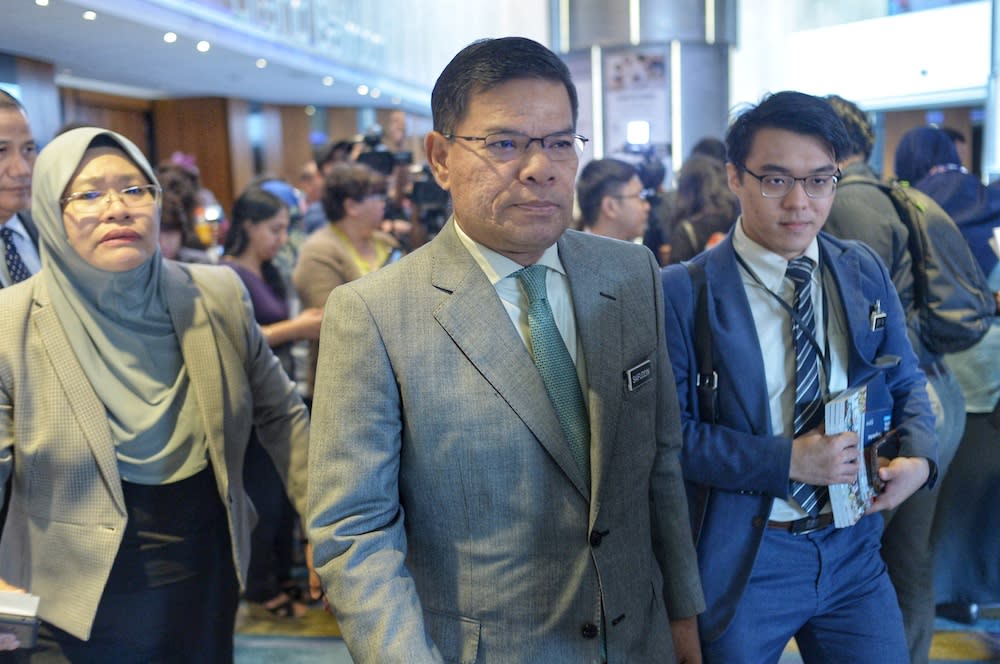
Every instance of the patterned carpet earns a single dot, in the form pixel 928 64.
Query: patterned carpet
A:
pixel 312 639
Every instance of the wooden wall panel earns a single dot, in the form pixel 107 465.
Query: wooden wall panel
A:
pixel 341 123
pixel 241 157
pixel 124 115
pixel 199 127
pixel 296 148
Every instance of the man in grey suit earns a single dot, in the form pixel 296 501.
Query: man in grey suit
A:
pixel 456 511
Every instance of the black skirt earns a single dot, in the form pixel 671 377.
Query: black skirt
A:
pixel 172 594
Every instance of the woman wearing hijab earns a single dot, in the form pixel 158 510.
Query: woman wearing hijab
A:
pixel 128 387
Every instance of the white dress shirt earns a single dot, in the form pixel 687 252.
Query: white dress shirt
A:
pixel 774 332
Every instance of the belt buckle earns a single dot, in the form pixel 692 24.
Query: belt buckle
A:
pixel 809 524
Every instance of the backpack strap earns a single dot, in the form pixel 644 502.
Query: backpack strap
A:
pixel 707 380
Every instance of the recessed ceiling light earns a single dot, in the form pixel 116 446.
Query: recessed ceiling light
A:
pixel 261 63
pixel 328 81
pixel 203 46
pixel 362 89
pixel 42 3
pixel 310 110
pixel 170 37
pixel 89 15
pixel 397 100
pixel 376 93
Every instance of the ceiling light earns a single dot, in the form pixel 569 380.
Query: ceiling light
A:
pixel 397 100
pixel 203 46
pixel 310 110
pixel 42 3
pixel 261 63
pixel 170 37
pixel 376 93
pixel 89 15
pixel 362 89
pixel 328 81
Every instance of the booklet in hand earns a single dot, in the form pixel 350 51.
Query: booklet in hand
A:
pixel 19 616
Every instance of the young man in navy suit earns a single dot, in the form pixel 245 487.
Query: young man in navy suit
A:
pixel 773 565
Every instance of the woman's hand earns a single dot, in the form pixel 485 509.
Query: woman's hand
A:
pixel 7 640
pixel 310 321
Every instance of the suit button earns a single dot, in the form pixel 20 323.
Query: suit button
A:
pixel 589 631
pixel 758 522
pixel 596 536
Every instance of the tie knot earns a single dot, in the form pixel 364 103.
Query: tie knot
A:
pixel 6 233
pixel 532 278
pixel 799 270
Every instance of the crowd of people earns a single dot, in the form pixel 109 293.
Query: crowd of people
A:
pixel 507 442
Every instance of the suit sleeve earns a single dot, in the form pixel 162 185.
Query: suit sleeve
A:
pixel 355 519
pixel 718 455
pixel 672 541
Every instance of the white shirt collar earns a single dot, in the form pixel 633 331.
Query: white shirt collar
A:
pixel 768 266
pixel 496 266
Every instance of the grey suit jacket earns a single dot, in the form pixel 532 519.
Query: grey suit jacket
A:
pixel 448 518
pixel 67 512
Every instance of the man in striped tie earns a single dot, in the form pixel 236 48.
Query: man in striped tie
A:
pixel 794 317
pixel 18 237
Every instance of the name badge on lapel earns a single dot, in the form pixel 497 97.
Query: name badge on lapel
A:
pixel 638 375
pixel 876 317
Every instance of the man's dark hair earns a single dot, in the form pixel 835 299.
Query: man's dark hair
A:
pixel 954 134
pixel 600 178
pixel 859 129
pixel 792 111
pixel 709 146
pixel 9 101
pixel 487 64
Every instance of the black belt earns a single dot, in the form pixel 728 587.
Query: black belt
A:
pixel 804 525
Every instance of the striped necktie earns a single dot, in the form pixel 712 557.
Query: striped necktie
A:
pixel 808 400
pixel 556 367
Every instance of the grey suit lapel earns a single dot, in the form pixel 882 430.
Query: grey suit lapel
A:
pixel 599 325
pixel 87 408
pixel 477 322
pixel 198 347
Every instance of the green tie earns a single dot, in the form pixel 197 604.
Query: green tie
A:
pixel 556 367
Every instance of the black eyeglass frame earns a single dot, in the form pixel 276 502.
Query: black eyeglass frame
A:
pixel 835 177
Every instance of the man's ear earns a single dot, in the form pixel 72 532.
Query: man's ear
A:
pixel 735 177
pixel 609 207
pixel 437 148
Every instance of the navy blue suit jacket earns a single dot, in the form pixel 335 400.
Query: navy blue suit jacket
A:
pixel 736 467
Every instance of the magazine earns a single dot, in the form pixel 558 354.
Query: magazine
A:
pixel 854 410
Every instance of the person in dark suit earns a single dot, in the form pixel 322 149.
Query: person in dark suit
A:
pixel 773 565
pixel 459 508
pixel 128 388
pixel 18 235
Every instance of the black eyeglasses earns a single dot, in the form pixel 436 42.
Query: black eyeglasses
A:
pixel 775 185
pixel 642 195
pixel 507 146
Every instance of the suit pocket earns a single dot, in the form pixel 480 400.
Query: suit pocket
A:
pixel 457 638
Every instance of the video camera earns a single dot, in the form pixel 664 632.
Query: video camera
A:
pixel 433 204
pixel 377 156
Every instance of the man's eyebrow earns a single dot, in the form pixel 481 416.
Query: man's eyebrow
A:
pixel 776 168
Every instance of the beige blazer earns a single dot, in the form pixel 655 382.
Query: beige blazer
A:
pixel 67 512
pixel 448 518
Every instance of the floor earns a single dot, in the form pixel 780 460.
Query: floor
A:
pixel 312 640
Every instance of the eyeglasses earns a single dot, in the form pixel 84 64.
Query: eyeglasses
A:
pixel 93 201
pixel 779 186
pixel 642 195
pixel 507 146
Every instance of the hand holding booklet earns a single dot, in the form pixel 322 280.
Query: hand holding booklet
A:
pixel 19 616
pixel 865 409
